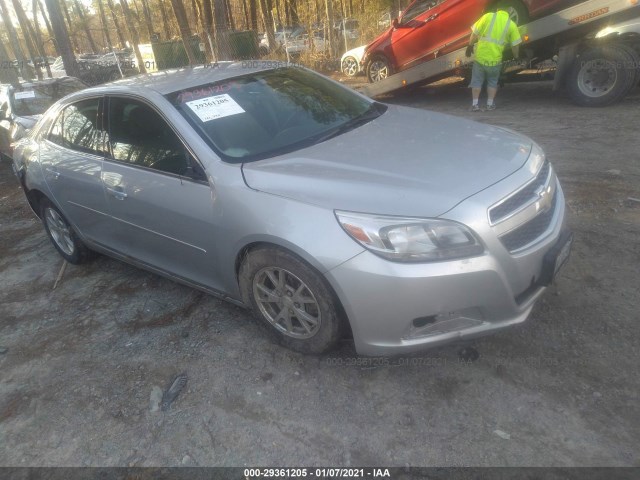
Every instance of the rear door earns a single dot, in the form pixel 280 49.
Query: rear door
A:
pixel 159 200
pixel 71 155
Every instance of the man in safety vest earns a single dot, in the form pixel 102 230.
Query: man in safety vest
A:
pixel 492 33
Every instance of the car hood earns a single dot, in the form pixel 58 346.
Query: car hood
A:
pixel 28 121
pixel 406 162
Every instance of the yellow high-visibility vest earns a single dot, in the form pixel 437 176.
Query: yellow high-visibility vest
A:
pixel 494 32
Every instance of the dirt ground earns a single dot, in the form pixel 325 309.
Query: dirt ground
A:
pixel 82 364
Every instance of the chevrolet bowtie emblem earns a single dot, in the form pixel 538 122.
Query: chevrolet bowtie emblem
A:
pixel 545 198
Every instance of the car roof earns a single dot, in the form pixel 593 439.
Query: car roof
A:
pixel 168 81
pixel 44 81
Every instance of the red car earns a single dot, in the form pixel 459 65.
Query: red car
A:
pixel 430 28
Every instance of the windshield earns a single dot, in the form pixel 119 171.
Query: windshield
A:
pixel 272 112
pixel 35 99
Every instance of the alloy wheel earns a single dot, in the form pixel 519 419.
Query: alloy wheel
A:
pixel 287 302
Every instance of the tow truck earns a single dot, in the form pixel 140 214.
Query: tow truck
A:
pixel 595 69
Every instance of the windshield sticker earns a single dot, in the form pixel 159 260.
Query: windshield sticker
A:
pixel 25 94
pixel 211 108
pixel 183 97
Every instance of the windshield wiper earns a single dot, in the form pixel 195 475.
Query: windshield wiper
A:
pixel 373 112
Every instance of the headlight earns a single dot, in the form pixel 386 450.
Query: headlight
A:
pixel 410 239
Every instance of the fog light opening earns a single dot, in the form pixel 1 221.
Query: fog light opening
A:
pixel 424 321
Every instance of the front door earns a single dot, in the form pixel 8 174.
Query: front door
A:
pixel 417 34
pixel 160 203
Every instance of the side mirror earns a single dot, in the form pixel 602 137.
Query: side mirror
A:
pixel 194 170
pixel 395 23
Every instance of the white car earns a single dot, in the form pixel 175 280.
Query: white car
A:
pixel 350 63
pixel 304 43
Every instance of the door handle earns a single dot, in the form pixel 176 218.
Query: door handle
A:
pixel 117 193
pixel 54 172
pixel 431 18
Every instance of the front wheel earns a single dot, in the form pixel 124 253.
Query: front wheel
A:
pixel 600 76
pixel 378 68
pixel 292 299
pixel 61 234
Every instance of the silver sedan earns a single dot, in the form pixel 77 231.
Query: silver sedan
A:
pixel 321 210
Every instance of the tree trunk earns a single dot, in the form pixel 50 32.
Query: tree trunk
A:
pixel 221 20
pixel 46 20
pixel 85 26
pixel 253 12
pixel 7 75
pixel 330 38
pixel 165 20
pixel 37 35
pixel 267 20
pixel 15 43
pixel 133 35
pixel 245 12
pixel 63 44
pixel 147 18
pixel 69 27
pixel 28 39
pixel 230 20
pixel 105 25
pixel 206 18
pixel 114 17
pixel 185 30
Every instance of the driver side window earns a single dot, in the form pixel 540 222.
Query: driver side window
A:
pixel 418 8
pixel 139 135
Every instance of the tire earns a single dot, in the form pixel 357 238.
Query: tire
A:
pixel 378 68
pixel 62 235
pixel 517 10
pixel 635 61
pixel 600 76
pixel 350 66
pixel 272 281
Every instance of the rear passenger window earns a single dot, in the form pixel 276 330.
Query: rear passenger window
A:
pixel 78 127
pixel 138 135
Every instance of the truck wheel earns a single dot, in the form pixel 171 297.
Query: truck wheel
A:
pixel 600 76
pixel 634 63
pixel 292 299
pixel 516 9
pixel 378 68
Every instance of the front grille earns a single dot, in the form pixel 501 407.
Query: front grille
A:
pixel 530 231
pixel 520 198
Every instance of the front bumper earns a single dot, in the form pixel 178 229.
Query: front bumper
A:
pixel 399 308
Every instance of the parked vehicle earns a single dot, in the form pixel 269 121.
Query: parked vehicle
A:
pixel 306 43
pixel 281 36
pixel 22 105
pixel 97 69
pixel 320 209
pixel 429 28
pixel 351 61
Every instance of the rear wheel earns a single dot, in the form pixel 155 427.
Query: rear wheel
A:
pixel 601 76
pixel 634 64
pixel 61 234
pixel 378 68
pixel 517 11
pixel 292 299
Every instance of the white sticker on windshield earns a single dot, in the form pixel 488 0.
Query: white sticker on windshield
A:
pixel 25 94
pixel 210 108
